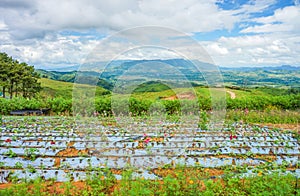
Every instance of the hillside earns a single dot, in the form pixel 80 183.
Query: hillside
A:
pixel 53 88
pixel 71 77
pixel 177 71
pixel 154 91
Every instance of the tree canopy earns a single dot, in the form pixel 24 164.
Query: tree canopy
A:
pixel 17 79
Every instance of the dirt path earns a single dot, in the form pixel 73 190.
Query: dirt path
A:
pixel 232 94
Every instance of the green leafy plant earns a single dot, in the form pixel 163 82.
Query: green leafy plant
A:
pixel 18 165
pixel 31 153
pixel 10 153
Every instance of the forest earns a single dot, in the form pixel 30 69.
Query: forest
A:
pixel 17 79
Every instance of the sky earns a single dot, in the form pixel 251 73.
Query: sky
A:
pixel 234 33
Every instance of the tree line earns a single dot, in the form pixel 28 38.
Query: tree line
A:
pixel 17 79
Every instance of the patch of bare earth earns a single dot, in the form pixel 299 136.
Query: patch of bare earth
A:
pixel 294 127
pixel 207 172
pixel 55 188
pixel 72 152
pixel 232 94
pixel 187 96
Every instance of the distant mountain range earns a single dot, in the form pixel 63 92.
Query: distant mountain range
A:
pixel 273 68
pixel 123 64
pixel 173 70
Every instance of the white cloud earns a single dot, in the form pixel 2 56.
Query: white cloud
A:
pixel 275 42
pixel 36 18
pixel 216 48
pixel 3 26
pixel 30 30
pixel 257 50
pixel 283 20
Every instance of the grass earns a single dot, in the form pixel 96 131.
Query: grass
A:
pixel 154 90
pixel 178 182
pixel 266 116
pixel 54 88
pixel 151 86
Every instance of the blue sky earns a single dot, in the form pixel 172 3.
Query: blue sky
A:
pixel 233 32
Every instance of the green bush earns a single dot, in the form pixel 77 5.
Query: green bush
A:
pixel 105 106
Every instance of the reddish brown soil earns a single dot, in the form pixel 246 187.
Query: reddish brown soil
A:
pixel 55 188
pixel 59 188
pixel 270 157
pixel 56 162
pixel 188 172
pixel 70 144
pixel 72 152
pixel 187 95
pixel 5 185
pixel 295 127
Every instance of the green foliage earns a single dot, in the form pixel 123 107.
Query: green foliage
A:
pixel 18 103
pixel 60 105
pixel 266 116
pixel 31 153
pixel 262 102
pixel 58 96
pixel 17 78
pixel 151 86
pixel 180 184
pixel 10 153
pixel 74 75
pixel 203 120
pixel 54 89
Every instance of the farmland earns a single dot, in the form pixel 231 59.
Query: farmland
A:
pixel 65 149
pixel 159 145
pixel 139 97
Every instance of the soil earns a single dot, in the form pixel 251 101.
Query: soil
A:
pixel 187 96
pixel 55 188
pixel 5 185
pixel 56 162
pixel 189 172
pixel 70 144
pixel 72 152
pixel 232 94
pixel 295 127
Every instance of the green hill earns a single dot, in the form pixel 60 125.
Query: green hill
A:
pixel 89 77
pixel 156 90
pixel 151 86
pixel 53 88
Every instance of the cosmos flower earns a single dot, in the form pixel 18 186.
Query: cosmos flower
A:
pixel 147 140
pixel 8 140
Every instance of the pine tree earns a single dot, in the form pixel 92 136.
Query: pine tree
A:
pixel 18 78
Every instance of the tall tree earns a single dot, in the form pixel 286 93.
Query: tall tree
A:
pixel 29 83
pixel 18 78
pixel 5 67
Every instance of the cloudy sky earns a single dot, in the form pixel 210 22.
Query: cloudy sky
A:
pixel 55 33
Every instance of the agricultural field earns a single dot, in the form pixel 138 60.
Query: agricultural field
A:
pixel 136 98
pixel 163 149
pixel 66 149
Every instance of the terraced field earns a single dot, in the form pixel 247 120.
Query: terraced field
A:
pixel 65 149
